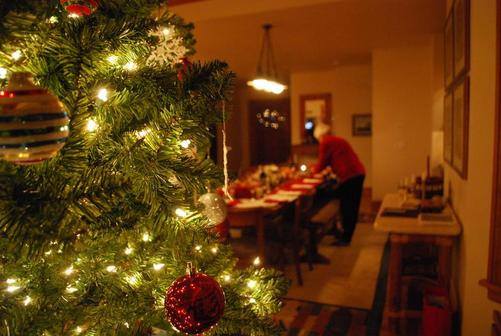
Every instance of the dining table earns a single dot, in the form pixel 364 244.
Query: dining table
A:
pixel 251 212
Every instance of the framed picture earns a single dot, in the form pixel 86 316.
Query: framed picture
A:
pixel 448 112
pixel 460 124
pixel 362 125
pixel 461 21
pixel 315 109
pixel 449 51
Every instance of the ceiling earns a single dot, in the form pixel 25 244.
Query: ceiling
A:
pixel 307 34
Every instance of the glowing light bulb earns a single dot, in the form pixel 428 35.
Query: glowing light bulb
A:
pixel 158 267
pixel 27 300
pixel 113 59
pixel 111 269
pixel 185 144
pixel 12 288
pixel 146 237
pixel 128 250
pixel 227 278
pixel 92 125
pixel 257 261
pixel 214 249
pixel 141 134
pixel 266 85
pixel 69 270
pixel 16 55
pixel 102 94
pixel 49 252
pixel 3 73
pixel 10 281
pixel 252 300
pixel 303 168
pixel 71 289
pixel 130 66
pixel 251 284
pixel 181 213
pixel 53 19
pixel 166 31
pixel 132 280
pixel 78 330
pixel 73 16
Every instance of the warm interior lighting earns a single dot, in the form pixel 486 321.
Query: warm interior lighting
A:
pixel 266 85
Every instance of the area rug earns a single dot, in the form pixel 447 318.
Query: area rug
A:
pixel 351 278
pixel 300 318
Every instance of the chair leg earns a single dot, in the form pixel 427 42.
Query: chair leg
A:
pixel 297 261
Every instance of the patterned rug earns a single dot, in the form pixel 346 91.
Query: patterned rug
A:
pixel 301 318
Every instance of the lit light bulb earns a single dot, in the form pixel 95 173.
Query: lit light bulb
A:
pixel 198 248
pixel 132 280
pixel 73 16
pixel 16 55
pixel 181 213
pixel 113 59
pixel 102 94
pixel 166 31
pixel 214 249
pixel 251 284
pixel 111 269
pixel 12 288
pixel 141 134
pixel 130 66
pixel 69 270
pixel 10 281
pixel 303 168
pixel 3 73
pixel 227 278
pixel 92 125
pixel 146 237
pixel 266 85
pixel 128 250
pixel 78 330
pixel 252 300
pixel 185 144
pixel 158 267
pixel 27 300
pixel 71 289
pixel 257 261
pixel 49 252
pixel 53 19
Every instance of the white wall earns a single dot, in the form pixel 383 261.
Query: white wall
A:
pixel 350 87
pixel 402 101
pixel 472 198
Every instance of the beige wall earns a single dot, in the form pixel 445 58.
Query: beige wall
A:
pixel 472 198
pixel 403 86
pixel 350 87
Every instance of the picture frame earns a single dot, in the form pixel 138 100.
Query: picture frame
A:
pixel 447 127
pixel 461 23
pixel 362 125
pixel 449 50
pixel 314 109
pixel 460 127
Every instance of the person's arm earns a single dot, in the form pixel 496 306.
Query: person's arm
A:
pixel 323 158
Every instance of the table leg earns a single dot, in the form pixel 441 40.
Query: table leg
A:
pixel 260 238
pixel 444 261
pixel 393 285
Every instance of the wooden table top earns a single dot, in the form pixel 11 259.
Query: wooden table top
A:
pixel 414 226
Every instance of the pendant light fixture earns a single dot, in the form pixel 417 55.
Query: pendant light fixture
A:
pixel 267 76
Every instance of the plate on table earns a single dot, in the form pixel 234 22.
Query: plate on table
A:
pixel 312 180
pixel 302 186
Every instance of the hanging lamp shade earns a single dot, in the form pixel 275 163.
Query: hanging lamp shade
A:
pixel 266 76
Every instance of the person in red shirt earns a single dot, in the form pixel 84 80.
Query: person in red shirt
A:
pixel 337 153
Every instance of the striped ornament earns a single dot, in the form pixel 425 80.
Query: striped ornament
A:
pixel 33 124
pixel 80 7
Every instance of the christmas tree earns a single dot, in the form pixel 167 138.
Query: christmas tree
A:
pixel 104 157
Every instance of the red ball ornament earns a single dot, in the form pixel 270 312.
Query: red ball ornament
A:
pixel 194 303
pixel 80 7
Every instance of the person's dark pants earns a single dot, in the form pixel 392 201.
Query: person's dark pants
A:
pixel 350 195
